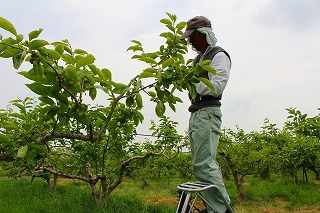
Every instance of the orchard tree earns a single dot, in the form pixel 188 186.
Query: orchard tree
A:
pixel 240 153
pixel 304 150
pixel 60 134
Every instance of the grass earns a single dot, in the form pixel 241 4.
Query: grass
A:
pixel 22 197
pixel 154 196
pixel 279 195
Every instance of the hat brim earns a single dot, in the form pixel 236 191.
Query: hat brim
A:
pixel 186 34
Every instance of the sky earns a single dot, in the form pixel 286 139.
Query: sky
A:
pixel 274 46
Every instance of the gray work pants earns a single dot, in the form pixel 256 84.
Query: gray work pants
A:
pixel 204 132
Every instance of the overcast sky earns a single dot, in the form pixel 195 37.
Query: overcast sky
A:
pixel 274 46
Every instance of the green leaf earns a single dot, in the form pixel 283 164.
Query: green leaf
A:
pixel 181 25
pixel 166 21
pixel 18 58
pixel 159 75
pixel 137 42
pixel 140 115
pixel 9 52
pixel 178 99
pixel 3 139
pixel 139 101
pixel 59 48
pixel 14 153
pixel 152 94
pixel 20 106
pixel 192 90
pixel 2 47
pixel 31 162
pixel 9 41
pixel 148 60
pixel 17 115
pixel 11 127
pixel 67 58
pixel 39 148
pixel 172 16
pixel 39 89
pixel 160 94
pixel 167 62
pixel 51 54
pixel 152 70
pixel 19 38
pixel 94 69
pixel 189 76
pixel 160 109
pixel 194 80
pixel 82 118
pixel 79 51
pixel 64 118
pixel 170 27
pixel 53 111
pixel 129 101
pixel 136 56
pixel 152 55
pixel 62 98
pixel 46 100
pixel 36 65
pixel 172 107
pixel 147 75
pixel 120 88
pixel 205 62
pixel 135 48
pixel 107 73
pixel 6 25
pixel 22 152
pixel 89 59
pixel 207 83
pixel 197 69
pixel 34 34
pixel 168 73
pixel 93 93
pixel 26 126
pixel 36 44
pixel 209 69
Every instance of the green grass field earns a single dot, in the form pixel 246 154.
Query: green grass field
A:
pixel 157 196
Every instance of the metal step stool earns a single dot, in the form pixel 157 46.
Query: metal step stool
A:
pixel 197 187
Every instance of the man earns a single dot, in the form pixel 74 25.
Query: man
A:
pixel 205 120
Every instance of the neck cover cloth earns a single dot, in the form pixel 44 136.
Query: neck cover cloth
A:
pixel 211 38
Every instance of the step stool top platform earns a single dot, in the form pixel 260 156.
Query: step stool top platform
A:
pixel 197 186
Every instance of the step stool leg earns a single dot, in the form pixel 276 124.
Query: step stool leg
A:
pixel 183 206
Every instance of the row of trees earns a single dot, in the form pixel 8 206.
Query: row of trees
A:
pixel 288 152
pixel 294 148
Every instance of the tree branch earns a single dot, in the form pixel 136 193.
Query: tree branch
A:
pixel 69 176
pixel 6 157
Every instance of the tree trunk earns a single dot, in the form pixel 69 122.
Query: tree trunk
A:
pixel 53 185
pixel 238 178
pixel 295 177
pixel 317 172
